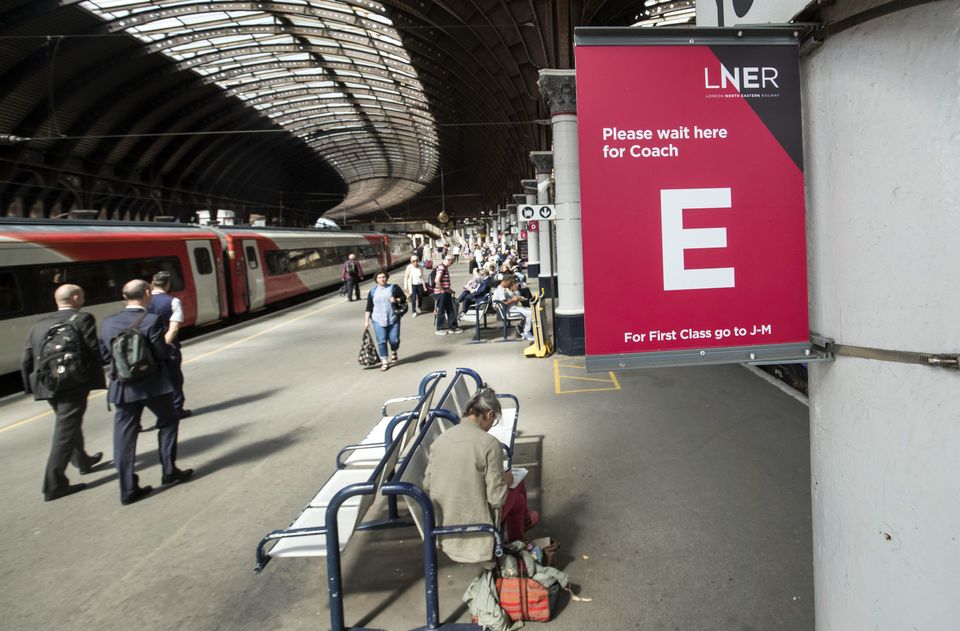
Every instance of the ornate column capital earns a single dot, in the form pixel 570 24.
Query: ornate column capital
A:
pixel 559 90
pixel 542 161
pixel 529 186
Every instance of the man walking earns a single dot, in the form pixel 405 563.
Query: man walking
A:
pixel 351 273
pixel 139 378
pixel 446 311
pixel 170 310
pixel 61 365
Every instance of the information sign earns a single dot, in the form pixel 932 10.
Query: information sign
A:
pixel 536 212
pixel 692 202
pixel 533 226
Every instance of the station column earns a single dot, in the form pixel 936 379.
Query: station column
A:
pixel 560 92
pixel 543 163
pixel 533 236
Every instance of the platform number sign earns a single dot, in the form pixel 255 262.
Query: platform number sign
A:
pixel 536 212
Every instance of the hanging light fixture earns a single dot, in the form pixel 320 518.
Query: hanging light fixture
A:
pixel 443 217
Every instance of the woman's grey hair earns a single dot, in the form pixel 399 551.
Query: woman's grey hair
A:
pixel 485 400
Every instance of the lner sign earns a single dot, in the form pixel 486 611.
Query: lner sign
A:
pixel 691 191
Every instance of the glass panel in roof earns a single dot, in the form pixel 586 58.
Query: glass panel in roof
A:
pixel 376 123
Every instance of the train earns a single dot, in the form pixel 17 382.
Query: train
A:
pixel 217 272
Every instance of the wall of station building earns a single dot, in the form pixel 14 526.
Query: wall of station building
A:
pixel 882 154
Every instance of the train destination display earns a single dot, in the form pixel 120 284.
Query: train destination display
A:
pixel 692 197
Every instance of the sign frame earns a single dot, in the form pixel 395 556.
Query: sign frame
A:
pixel 794 347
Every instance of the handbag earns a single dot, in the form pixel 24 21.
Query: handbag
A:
pixel 400 307
pixel 521 597
pixel 368 356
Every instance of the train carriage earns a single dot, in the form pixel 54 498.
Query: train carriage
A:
pixel 215 272
pixel 36 257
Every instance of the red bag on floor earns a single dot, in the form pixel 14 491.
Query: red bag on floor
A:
pixel 523 598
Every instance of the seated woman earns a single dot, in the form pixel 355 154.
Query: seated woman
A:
pixel 482 289
pixel 466 482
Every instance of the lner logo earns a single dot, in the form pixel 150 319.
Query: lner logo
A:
pixel 749 77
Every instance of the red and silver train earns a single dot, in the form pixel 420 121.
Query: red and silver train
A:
pixel 216 272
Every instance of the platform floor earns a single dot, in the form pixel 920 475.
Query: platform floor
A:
pixel 681 497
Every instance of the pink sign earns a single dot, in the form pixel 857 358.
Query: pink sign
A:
pixel 692 201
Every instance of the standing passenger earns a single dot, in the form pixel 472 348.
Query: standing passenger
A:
pixel 351 273
pixel 413 284
pixel 446 311
pixel 61 365
pixel 170 310
pixel 386 323
pixel 153 390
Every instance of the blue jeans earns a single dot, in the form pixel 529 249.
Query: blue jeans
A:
pixel 390 333
pixel 446 312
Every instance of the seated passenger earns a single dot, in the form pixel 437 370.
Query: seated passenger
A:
pixel 466 482
pixel 482 290
pixel 507 294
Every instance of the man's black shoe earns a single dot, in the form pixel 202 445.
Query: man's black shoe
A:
pixel 92 462
pixel 138 494
pixel 69 490
pixel 184 413
pixel 177 476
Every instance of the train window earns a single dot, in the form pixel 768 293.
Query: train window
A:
pixel 343 252
pixel 96 279
pixel 146 268
pixel 276 262
pixel 10 302
pixel 201 256
pixel 368 252
pixel 330 256
pixel 298 260
pixel 252 257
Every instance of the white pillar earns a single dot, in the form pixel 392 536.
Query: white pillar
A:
pixel 543 163
pixel 533 238
pixel 560 92
pixel 882 164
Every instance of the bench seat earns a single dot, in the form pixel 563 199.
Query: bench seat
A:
pixel 314 516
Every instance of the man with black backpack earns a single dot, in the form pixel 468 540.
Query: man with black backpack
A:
pixel 351 273
pixel 132 343
pixel 61 365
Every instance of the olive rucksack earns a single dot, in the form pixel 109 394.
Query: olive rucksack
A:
pixel 62 364
pixel 132 354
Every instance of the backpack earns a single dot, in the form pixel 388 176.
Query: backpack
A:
pixel 63 362
pixel 351 268
pixel 132 354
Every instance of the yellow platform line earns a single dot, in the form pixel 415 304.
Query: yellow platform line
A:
pixel 101 393
pixel 557 389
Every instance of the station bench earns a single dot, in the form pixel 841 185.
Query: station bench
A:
pixel 503 312
pixel 392 457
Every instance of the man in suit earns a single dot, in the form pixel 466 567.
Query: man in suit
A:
pixel 70 404
pixel 153 391
pixel 170 310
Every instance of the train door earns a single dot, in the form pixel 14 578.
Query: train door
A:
pixel 255 288
pixel 205 281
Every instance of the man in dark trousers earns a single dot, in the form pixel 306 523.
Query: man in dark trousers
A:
pixel 351 273
pixel 153 391
pixel 69 398
pixel 170 310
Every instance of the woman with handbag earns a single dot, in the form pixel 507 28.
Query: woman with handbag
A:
pixel 386 304
pixel 466 482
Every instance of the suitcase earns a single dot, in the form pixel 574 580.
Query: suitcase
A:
pixel 428 304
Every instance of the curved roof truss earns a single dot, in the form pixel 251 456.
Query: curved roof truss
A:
pixel 335 74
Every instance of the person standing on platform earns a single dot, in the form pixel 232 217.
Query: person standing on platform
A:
pixel 413 284
pixel 351 273
pixel 170 310
pixel 446 310
pixel 386 323
pixel 140 378
pixel 61 365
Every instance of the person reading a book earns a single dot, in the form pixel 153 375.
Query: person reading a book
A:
pixel 466 482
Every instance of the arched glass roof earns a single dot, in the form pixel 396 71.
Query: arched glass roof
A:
pixel 335 74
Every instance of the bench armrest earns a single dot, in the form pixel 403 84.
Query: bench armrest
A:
pixel 349 449
pixel 397 400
